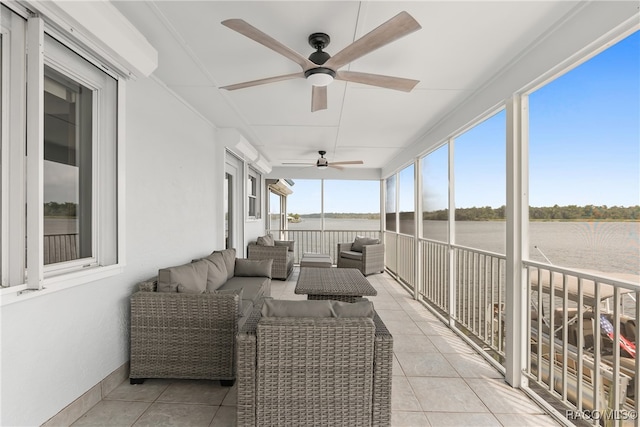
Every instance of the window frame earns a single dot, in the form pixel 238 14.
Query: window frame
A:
pixel 256 177
pixel 25 173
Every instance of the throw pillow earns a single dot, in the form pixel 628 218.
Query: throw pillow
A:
pixel 360 242
pixel 253 268
pixel 192 277
pixel 265 240
pixel 229 256
pixel 217 274
pixel 300 308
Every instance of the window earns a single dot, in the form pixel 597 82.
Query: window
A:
pixel 67 173
pixel 79 162
pixel 276 213
pixel 390 204
pixel 253 192
pixel 60 187
pixel 352 205
pixel 406 185
pixel 584 191
pixel 435 194
pixel 480 185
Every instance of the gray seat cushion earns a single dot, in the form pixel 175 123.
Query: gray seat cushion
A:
pixel 253 287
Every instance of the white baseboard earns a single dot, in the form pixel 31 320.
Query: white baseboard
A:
pixel 88 400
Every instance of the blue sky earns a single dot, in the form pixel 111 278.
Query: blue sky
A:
pixel 340 196
pixel 584 148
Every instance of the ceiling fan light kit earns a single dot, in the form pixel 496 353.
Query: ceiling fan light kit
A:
pixel 320 76
pixel 320 69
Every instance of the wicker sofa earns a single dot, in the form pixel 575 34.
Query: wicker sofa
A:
pixel 182 333
pixel 315 371
pixel 280 251
pixel 365 254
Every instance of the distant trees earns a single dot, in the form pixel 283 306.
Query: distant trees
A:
pixel 66 209
pixel 549 213
pixel 346 215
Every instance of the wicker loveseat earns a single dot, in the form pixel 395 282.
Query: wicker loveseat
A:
pixel 280 251
pixel 182 333
pixel 314 371
pixel 365 254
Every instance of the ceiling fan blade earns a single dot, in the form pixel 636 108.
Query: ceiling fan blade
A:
pixel 396 83
pixel 333 165
pixel 318 98
pixel 349 162
pixel 263 81
pixel 299 163
pixel 255 34
pixel 395 28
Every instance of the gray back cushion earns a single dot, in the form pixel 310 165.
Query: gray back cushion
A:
pixel 355 309
pixel 229 256
pixel 316 308
pixel 300 308
pixel 360 242
pixel 217 274
pixel 266 240
pixel 188 278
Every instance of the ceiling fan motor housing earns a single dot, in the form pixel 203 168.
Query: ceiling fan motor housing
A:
pixel 319 41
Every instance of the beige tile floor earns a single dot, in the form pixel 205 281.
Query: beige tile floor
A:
pixel 438 380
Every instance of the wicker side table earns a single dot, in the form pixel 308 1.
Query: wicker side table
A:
pixel 339 284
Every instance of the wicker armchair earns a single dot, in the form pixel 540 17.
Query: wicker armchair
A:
pixel 183 336
pixel 282 255
pixel 314 371
pixel 370 260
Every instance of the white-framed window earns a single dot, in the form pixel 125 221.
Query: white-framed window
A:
pixel 60 198
pixel 254 199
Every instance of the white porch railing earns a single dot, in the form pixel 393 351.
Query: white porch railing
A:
pixel 577 339
pixel 570 354
pixel 479 289
pixel 320 241
pixel 60 247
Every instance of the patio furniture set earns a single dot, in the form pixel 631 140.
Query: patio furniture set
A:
pixel 214 319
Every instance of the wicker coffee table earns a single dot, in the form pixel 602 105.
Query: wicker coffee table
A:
pixel 340 284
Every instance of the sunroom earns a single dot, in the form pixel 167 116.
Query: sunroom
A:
pixel 509 173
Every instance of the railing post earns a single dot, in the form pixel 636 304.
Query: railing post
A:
pixel 451 236
pixel 417 231
pixel 517 219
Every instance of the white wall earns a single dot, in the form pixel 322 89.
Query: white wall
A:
pixel 57 346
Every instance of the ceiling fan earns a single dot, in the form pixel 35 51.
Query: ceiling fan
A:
pixel 323 163
pixel 320 69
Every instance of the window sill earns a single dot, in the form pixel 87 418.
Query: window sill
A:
pixel 20 293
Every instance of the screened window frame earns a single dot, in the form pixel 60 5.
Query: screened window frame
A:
pixel 107 255
pixel 256 176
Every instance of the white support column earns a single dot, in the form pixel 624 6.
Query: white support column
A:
pixel 452 234
pixel 383 198
pixel 417 203
pixel 322 248
pixel 517 241
pixel 35 152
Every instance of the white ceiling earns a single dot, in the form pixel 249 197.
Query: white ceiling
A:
pixel 461 47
